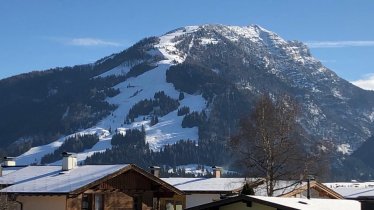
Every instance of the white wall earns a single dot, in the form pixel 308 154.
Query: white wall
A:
pixel 198 199
pixel 43 202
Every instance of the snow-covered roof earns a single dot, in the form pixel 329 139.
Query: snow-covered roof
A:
pixel 312 204
pixel 51 179
pixel 281 187
pixel 8 170
pixel 353 189
pixel 286 203
pixel 229 185
pixel 206 184
pixel 226 185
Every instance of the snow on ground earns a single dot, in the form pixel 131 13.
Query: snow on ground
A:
pixel 336 93
pixel 370 116
pixel 133 90
pixel 205 41
pixel 35 154
pixel 118 71
pixel 167 46
pixel 169 129
pixel 136 89
pixel 101 146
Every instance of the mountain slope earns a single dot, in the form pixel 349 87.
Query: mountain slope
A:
pixel 220 70
pixel 256 59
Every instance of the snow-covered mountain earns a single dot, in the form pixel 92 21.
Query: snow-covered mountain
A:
pixel 220 70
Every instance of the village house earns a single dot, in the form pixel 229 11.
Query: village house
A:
pixel 94 187
pixel 205 190
pixel 200 191
pixel 87 187
pixel 247 202
pixel 360 191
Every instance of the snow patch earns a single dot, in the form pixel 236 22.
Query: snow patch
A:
pixel 167 45
pixel 66 113
pixel 35 154
pixel 337 94
pixel 120 70
pixel 345 149
pixel 205 41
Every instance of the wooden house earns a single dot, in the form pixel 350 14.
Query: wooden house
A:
pixel 87 187
pixel 122 187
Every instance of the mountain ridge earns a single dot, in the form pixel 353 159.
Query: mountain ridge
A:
pixel 229 67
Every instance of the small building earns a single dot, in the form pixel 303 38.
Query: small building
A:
pixel 245 202
pixel 87 187
pixel 360 191
pixel 205 190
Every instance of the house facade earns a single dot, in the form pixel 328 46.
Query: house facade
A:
pixel 122 187
pixel 88 187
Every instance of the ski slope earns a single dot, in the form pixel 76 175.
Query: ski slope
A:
pixel 133 90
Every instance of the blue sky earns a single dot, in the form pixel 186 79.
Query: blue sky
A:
pixel 41 34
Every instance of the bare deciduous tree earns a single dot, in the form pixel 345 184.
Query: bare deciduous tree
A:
pixel 268 143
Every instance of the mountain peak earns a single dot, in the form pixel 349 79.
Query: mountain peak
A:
pixel 221 71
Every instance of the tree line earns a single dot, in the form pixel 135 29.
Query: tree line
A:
pixel 74 144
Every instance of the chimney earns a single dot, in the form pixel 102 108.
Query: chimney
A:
pixel 155 170
pixel 69 161
pixel 217 171
pixel 9 161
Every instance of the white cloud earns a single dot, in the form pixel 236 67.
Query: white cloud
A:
pixel 91 42
pixel 335 44
pixel 366 83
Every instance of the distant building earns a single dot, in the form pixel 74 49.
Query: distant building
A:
pixel 205 190
pixel 360 191
pixel 245 202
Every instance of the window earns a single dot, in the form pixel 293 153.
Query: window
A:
pixel 172 204
pixel 93 202
pixel 169 205
pixel 87 202
pixel 99 202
